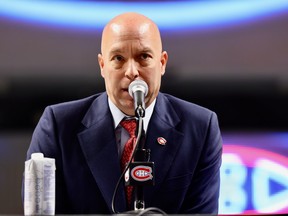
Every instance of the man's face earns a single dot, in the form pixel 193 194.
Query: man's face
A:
pixel 129 53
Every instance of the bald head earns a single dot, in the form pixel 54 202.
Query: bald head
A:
pixel 131 49
pixel 129 24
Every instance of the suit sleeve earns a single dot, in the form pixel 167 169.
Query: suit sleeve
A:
pixel 203 193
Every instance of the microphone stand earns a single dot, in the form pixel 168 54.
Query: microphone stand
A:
pixel 141 160
pixel 140 156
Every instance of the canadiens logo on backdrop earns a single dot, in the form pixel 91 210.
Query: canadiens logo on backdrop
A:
pixel 141 173
pixel 258 177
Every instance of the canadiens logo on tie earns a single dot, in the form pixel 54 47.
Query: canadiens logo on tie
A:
pixel 161 141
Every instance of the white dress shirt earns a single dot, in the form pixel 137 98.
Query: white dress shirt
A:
pixel 121 134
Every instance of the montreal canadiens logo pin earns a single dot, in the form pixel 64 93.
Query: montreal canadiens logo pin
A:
pixel 162 141
pixel 141 173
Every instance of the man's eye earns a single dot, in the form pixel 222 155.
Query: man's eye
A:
pixel 118 58
pixel 144 56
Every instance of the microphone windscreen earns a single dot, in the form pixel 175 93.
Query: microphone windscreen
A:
pixel 138 85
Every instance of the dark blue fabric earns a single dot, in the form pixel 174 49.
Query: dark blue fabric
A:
pixel 80 136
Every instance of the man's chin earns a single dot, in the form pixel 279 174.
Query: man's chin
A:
pixel 128 107
pixel 129 112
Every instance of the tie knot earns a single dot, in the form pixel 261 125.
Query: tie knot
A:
pixel 130 126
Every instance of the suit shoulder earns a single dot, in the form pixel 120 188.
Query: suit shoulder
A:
pixel 78 103
pixel 186 107
pixel 72 108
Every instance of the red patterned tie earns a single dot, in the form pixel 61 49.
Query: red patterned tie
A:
pixel 130 126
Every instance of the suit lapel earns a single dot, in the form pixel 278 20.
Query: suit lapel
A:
pixel 162 124
pixel 100 150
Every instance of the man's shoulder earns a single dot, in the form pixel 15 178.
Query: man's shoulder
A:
pixel 187 113
pixel 181 105
pixel 75 108
pixel 76 104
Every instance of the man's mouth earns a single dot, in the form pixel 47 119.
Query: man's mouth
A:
pixel 125 89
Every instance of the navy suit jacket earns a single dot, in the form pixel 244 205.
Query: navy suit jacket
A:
pixel 80 136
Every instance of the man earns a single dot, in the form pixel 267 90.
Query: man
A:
pixel 81 135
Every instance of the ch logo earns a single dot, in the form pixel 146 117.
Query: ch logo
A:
pixel 141 173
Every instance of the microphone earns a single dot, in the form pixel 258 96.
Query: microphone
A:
pixel 138 89
pixel 141 170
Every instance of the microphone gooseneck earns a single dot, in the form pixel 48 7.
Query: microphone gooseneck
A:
pixel 138 89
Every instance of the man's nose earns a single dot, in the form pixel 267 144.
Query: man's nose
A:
pixel 132 70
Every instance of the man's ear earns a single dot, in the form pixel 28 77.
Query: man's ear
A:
pixel 101 63
pixel 164 60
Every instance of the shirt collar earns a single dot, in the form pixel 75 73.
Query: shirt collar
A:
pixel 118 115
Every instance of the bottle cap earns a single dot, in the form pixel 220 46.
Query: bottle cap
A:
pixel 37 156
